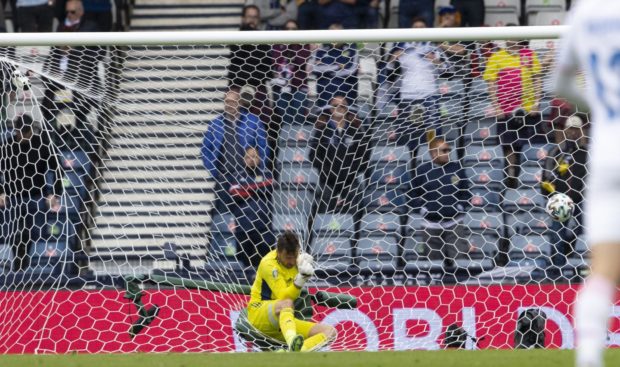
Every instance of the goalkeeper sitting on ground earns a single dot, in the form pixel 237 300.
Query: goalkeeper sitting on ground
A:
pixel 281 275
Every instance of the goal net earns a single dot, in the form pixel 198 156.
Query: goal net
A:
pixel 143 183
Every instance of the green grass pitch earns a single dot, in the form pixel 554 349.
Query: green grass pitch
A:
pixel 495 358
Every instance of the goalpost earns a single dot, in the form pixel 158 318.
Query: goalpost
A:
pixel 133 240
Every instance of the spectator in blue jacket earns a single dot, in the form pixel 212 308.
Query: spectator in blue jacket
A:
pixel 335 67
pixel 252 191
pixel 440 191
pixel 225 142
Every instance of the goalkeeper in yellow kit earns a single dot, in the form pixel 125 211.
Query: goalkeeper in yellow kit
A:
pixel 281 275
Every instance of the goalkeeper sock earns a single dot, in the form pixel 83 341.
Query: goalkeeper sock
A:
pixel 314 342
pixel 287 324
pixel 591 318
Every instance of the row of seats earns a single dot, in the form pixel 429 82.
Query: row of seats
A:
pixel 56 232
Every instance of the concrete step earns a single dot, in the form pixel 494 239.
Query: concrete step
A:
pixel 147 232
pixel 194 20
pixel 104 221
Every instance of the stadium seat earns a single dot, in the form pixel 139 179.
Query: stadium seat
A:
pixel 223 223
pixel 6 257
pixel 389 175
pixel 498 6
pixel 482 244
pixel 451 88
pixel 298 176
pixel 487 176
pixel 295 135
pixel 536 154
pixel 57 231
pixel 294 155
pixel 484 199
pixel 533 6
pixel 390 154
pixel 549 18
pixel 535 245
pixel 332 253
pixel 50 257
pixel 423 154
pixel 478 89
pixel 76 183
pixel 528 222
pixel 490 154
pixel 387 201
pixel 414 224
pixel 334 224
pixel 378 254
pixel 76 160
pixel 297 223
pixel 500 19
pixel 222 246
pixel 481 222
pixel 523 199
pixel 481 132
pixel 379 224
pixel 530 175
pixel 293 201
pixel 416 258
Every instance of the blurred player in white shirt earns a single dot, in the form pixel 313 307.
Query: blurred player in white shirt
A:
pixel 592 45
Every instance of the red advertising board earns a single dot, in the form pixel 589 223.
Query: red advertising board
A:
pixel 192 320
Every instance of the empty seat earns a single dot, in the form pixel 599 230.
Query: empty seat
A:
pixel 223 223
pixel 482 198
pixel 536 154
pixel 332 253
pixel 387 200
pixel 523 199
pixel 57 230
pixel 295 135
pixel 6 256
pixel 222 246
pixel 500 19
pixel 293 201
pixel 530 222
pixel 481 107
pixel 294 155
pixel 529 246
pixel 296 223
pixel 491 154
pixel 481 132
pixel 374 224
pixel 76 160
pixel 549 18
pixel 298 176
pixel 484 244
pixel 49 257
pixel 532 6
pixel 481 222
pixel 378 253
pixel 390 154
pixel 451 88
pixel 390 175
pixel 497 6
pixel 335 224
pixel 485 175
pixel 530 175
pixel 423 154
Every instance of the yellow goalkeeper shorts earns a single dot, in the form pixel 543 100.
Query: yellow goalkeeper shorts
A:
pixel 262 315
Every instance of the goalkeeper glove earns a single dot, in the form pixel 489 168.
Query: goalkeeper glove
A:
pixel 305 268
pixel 20 81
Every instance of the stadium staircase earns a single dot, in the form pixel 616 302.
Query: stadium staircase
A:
pixel 154 189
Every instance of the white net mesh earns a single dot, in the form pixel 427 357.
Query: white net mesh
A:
pixel 416 174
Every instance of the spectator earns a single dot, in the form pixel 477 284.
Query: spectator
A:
pixel 367 13
pixel 251 66
pixel 513 78
pixel 35 15
pixel 408 10
pixel 100 13
pixel 440 191
pixel 275 14
pixel 456 53
pixel 335 67
pixel 77 66
pixel 471 12
pixel 308 14
pixel 225 143
pixel 25 161
pixel 251 192
pixel 415 66
pixel 290 82
pixel 566 172
pixel 339 152
pixel 340 12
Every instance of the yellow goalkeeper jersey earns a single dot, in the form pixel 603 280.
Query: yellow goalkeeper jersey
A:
pixel 273 281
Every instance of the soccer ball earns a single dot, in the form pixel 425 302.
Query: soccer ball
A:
pixel 560 207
